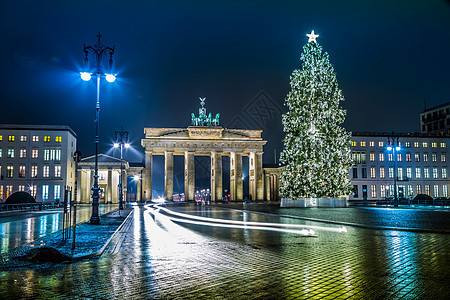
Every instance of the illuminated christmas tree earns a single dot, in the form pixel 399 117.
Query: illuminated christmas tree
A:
pixel 316 150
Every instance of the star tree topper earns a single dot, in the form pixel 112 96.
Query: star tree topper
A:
pixel 312 37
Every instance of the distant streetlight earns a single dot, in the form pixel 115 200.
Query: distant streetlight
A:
pixel 121 142
pixel 394 148
pixel 98 50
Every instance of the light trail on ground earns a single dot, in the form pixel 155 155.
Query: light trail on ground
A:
pixel 305 229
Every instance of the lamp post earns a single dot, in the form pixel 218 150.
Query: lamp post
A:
pixel 393 146
pixel 98 50
pixel 120 143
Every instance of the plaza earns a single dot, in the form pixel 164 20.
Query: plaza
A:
pixel 169 252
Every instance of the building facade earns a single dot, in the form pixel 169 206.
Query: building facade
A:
pixel 37 159
pixel 418 166
pixel 436 120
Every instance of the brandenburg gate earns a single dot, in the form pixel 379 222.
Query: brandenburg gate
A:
pixel 206 138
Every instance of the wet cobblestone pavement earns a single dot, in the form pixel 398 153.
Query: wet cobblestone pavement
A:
pixel 160 256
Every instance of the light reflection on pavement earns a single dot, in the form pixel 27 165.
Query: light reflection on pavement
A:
pixel 19 228
pixel 158 258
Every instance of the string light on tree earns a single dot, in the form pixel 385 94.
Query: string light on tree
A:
pixel 316 150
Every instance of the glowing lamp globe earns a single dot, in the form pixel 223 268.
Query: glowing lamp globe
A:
pixel 110 77
pixel 136 177
pixel 116 145
pixel 85 76
pixel 397 148
pixel 389 148
pixel 127 145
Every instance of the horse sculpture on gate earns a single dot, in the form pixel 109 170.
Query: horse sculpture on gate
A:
pixel 203 119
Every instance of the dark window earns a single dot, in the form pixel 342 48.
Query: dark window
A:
pixel 355 173
pixel 364 173
pixel 355 191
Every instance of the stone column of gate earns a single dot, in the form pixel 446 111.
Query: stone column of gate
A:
pixel 259 179
pixel 216 176
pixel 79 183
pixel 268 186
pixel 189 176
pixel 109 196
pixel 236 186
pixel 251 174
pixel 147 176
pixel 168 175
pixel 138 191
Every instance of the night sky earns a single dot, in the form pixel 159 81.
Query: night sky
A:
pixel 389 57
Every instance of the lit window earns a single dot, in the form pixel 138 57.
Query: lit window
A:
pixel 408 156
pixel 46 155
pixel 45 192
pixel 382 175
pixel 373 189
pixel 416 144
pixel 11 138
pixel 57 191
pixel 1 192
pixel 399 157
pixel 444 173
pixel 380 144
pixel 10 153
pixel 417 157
pixel 383 191
pixel 23 153
pixel 400 174
pixel 33 190
pixel 34 171
pixel 436 190
pixel 47 138
pixel 418 173
pixel 434 156
pixel 52 154
pixel 1 138
pixel 10 171
pixel 58 139
pixel 443 145
pixel 426 173
pixel 58 154
pixel 57 171
pixel 23 138
pixel 425 144
pixel 390 157
pixel 34 153
pixel 372 172
pixel 9 189
pixel 443 157
pixel 391 172
pixel 408 173
pixel 22 171
pixel 372 156
pixel 425 157
pixel 445 190
pixel 434 145
pixel 353 144
pixel 410 190
pixel 363 144
pixel 372 144
pixel 427 189
pixel 21 188
pixel 1 153
pixel 381 156
pixel 419 189
pixel 435 173
pixel 35 138
pixel 45 171
pixel 407 144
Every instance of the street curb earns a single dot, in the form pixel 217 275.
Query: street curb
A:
pixel 102 249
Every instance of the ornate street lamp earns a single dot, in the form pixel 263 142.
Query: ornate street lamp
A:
pixel 98 50
pixel 122 142
pixel 393 145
